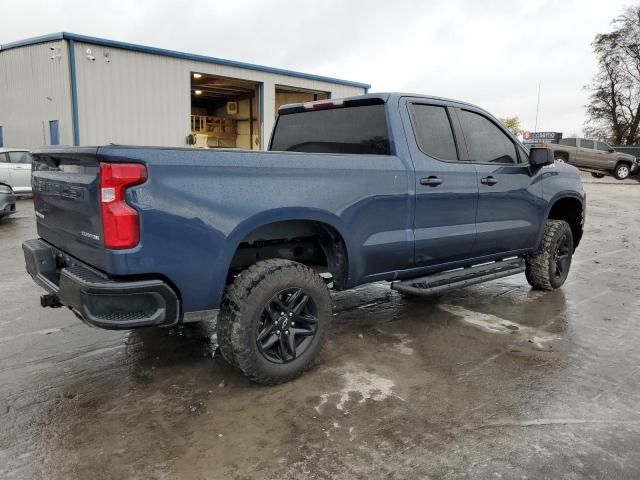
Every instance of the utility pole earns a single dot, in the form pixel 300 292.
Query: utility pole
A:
pixel 535 129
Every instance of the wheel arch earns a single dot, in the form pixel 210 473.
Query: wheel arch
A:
pixel 330 230
pixel 570 208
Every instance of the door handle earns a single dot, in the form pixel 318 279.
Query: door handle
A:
pixel 431 181
pixel 488 180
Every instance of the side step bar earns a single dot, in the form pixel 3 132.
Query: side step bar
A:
pixel 463 277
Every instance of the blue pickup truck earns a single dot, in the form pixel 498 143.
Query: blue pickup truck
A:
pixel 427 193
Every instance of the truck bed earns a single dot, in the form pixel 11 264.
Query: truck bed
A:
pixel 197 205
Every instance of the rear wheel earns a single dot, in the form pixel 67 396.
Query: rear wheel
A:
pixel 622 171
pixel 274 320
pixel 548 269
pixel 597 175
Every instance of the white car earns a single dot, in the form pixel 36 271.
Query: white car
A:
pixel 15 169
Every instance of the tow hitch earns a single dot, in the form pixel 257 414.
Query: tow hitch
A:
pixel 50 300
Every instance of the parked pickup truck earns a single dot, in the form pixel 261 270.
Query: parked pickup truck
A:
pixel 596 157
pixel 427 193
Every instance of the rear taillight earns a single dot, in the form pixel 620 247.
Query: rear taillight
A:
pixel 120 224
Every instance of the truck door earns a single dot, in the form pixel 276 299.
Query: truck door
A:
pixel 605 157
pixel 510 208
pixel 20 170
pixel 4 168
pixel 446 189
pixel 586 155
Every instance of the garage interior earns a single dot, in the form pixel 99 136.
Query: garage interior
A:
pixel 225 112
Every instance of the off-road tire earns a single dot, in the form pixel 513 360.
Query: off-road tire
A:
pixel 622 171
pixel 540 267
pixel 243 305
pixel 597 175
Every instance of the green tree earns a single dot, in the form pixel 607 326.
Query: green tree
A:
pixel 613 110
pixel 513 124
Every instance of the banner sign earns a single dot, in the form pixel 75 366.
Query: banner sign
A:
pixel 541 137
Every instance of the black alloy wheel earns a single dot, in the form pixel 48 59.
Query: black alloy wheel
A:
pixel 288 325
pixel 562 256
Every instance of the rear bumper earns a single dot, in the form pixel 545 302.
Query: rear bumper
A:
pixel 96 298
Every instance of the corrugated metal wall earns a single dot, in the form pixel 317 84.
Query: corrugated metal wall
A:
pixel 145 99
pixel 35 89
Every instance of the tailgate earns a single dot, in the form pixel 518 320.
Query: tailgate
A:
pixel 65 185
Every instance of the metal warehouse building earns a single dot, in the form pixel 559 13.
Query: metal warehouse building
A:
pixel 71 89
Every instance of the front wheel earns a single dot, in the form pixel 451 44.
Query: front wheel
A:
pixel 549 267
pixel 622 171
pixel 274 320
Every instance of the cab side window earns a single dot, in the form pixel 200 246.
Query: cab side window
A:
pixel 486 142
pixel 588 144
pixel 433 131
pixel 602 146
pixel 19 157
pixel 4 158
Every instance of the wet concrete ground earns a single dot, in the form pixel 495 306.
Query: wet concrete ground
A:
pixel 493 381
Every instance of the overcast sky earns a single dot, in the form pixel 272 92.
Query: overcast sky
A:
pixel 491 53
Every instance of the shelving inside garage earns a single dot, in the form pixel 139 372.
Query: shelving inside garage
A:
pixel 226 110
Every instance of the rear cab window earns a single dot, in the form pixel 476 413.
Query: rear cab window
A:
pixel 358 129
pixel 433 131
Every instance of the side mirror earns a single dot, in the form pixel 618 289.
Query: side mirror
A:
pixel 612 150
pixel 540 156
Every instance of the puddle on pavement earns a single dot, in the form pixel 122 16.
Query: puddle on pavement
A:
pixel 358 386
pixel 494 324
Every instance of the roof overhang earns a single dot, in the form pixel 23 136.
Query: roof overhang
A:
pixel 175 54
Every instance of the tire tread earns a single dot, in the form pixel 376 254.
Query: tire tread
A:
pixel 234 322
pixel 537 265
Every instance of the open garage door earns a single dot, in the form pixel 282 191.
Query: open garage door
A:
pixel 286 95
pixel 225 112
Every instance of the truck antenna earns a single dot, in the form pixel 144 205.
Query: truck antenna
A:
pixel 535 129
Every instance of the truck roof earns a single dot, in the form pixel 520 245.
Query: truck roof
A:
pixel 369 98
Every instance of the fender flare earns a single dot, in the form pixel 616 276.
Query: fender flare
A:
pixel 232 241
pixel 557 197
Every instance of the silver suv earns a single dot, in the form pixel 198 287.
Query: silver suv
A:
pixel 15 169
